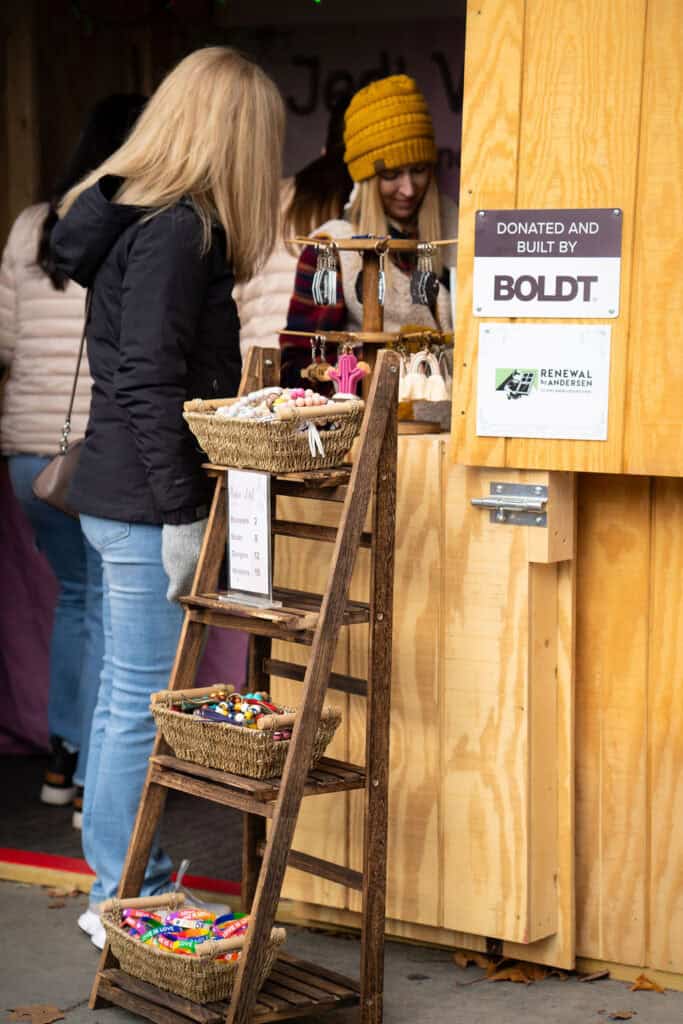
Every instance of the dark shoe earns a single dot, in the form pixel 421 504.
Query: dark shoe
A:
pixel 58 788
pixel 77 818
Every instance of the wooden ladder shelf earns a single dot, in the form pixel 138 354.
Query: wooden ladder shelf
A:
pixel 295 988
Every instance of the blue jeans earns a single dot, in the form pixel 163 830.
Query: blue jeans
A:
pixel 141 630
pixel 77 641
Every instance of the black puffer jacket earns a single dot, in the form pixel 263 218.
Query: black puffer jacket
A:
pixel 163 328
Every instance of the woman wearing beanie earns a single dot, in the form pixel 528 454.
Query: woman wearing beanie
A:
pixel 391 156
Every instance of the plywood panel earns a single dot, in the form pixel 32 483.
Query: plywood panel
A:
pixel 491 111
pixel 578 148
pixel 500 757
pixel 665 731
pixel 415 829
pixel 653 440
pixel 611 717
pixel 323 822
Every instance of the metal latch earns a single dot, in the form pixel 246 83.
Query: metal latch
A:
pixel 516 504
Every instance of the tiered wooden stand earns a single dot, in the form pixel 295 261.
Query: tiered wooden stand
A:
pixel 372 336
pixel 295 988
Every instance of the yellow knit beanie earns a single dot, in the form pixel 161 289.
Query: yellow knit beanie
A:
pixel 388 125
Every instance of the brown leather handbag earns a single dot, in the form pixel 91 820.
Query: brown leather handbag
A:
pixel 53 482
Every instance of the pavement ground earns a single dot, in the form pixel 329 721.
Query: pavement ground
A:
pixel 46 959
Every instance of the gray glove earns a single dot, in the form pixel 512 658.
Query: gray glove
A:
pixel 180 547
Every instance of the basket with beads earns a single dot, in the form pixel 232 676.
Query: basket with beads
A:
pixel 181 949
pixel 245 734
pixel 276 430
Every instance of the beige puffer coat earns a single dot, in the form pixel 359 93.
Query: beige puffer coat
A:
pixel 40 331
pixel 263 301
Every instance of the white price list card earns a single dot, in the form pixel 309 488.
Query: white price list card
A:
pixel 249 534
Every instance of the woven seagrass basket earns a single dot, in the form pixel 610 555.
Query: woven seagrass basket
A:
pixel 232 748
pixel 276 446
pixel 202 978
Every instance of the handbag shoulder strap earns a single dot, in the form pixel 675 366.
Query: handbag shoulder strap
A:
pixel 66 429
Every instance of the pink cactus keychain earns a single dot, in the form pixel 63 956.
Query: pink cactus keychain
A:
pixel 348 372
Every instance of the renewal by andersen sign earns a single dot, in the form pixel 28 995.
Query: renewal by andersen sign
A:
pixel 547 263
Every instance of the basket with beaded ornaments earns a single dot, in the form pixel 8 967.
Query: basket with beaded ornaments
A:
pixel 258 753
pixel 280 438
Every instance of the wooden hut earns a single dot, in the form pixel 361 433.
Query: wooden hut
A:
pixel 537 720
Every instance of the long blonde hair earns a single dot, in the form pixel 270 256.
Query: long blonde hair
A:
pixel 213 132
pixel 367 215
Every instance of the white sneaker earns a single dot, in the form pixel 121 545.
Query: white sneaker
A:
pixel 90 923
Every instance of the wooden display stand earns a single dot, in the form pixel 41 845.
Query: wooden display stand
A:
pixel 294 988
pixel 372 336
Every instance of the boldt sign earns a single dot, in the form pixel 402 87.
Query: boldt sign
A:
pixel 547 263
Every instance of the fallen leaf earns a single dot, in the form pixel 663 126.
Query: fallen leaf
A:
pixel 621 1015
pixel 56 905
pixel 464 958
pixel 57 892
pixel 643 984
pixel 37 1013
pixel 515 974
pixel 594 977
pixel 498 965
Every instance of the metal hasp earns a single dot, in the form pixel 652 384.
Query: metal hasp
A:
pixel 516 504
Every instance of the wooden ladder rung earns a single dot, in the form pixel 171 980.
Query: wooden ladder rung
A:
pixel 322 868
pixel 295 988
pixel 312 531
pixel 328 776
pixel 338 681
pixel 159 997
pixel 354 611
pixel 216 792
pixel 294 489
pixel 296 616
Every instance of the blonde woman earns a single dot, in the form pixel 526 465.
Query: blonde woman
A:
pixel 391 156
pixel 159 233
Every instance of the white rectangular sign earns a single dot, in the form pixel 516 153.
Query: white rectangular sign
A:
pixel 249 535
pixel 547 263
pixel 543 380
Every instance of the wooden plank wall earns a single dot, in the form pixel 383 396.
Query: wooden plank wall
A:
pixel 579 105
pixel 654 438
pixel 21 153
pixel 482 664
pixel 628 735
pixel 59 63
pixel 629 712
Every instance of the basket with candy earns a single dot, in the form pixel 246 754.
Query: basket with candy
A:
pixel 276 430
pixel 245 734
pixel 186 950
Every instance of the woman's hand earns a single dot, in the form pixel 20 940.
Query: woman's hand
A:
pixel 180 547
